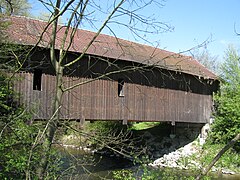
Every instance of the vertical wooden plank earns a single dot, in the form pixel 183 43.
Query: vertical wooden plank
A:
pixel 99 100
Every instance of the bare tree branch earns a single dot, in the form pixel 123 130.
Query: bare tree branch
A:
pixel 218 156
pixel 235 30
pixel 96 35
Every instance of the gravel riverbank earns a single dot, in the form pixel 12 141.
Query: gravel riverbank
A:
pixel 186 157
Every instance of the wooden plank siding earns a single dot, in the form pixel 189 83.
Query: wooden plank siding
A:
pixel 99 100
pixel 158 85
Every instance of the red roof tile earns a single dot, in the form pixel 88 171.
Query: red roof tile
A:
pixel 27 31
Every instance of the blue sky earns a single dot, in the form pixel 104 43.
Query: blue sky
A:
pixel 194 21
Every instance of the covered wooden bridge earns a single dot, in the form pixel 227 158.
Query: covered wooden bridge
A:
pixel 131 81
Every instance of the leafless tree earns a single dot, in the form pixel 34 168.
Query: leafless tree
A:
pixel 14 7
pixel 206 59
pixel 80 14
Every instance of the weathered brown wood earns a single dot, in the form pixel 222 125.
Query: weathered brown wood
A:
pixel 99 100
pixel 163 86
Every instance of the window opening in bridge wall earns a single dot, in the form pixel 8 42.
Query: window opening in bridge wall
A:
pixel 121 87
pixel 37 79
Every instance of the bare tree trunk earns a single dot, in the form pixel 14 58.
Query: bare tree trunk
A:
pixel 57 59
pixel 217 157
pixel 57 102
pixel 52 123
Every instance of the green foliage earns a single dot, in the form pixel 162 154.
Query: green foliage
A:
pixel 16 136
pixel 144 125
pixel 209 151
pixel 114 138
pixel 124 174
pixel 20 148
pixel 5 93
pixel 227 116
pixel 3 25
pixel 231 69
pixel 227 122
pixel 102 129
pixel 146 173
pixel 12 56
pixel 8 63
pixel 229 160
pixel 15 144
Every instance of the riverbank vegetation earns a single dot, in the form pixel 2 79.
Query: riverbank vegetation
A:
pixel 186 164
pixel 20 152
pixel 26 145
pixel 225 127
pixel 227 100
pixel 19 135
pixel 229 162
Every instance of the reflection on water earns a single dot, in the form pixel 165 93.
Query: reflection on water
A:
pixel 79 165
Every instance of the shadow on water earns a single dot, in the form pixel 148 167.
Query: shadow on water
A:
pixel 80 165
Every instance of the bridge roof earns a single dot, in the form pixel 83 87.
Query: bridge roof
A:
pixel 26 31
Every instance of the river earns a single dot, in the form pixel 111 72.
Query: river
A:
pixel 79 165
pixel 92 167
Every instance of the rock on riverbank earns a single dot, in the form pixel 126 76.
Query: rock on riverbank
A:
pixel 182 150
pixel 181 158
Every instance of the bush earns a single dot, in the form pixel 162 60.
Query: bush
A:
pixel 104 130
pixel 145 173
pixel 20 148
pixel 16 135
pixel 227 116
pixel 16 142
pixel 227 122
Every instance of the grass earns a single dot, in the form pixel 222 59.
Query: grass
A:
pixel 229 160
pixel 144 125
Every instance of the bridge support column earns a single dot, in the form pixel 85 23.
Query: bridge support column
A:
pixel 124 122
pixel 82 121
pixel 173 129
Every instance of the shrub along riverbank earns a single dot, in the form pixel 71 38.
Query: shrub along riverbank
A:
pixel 163 152
pixel 189 159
